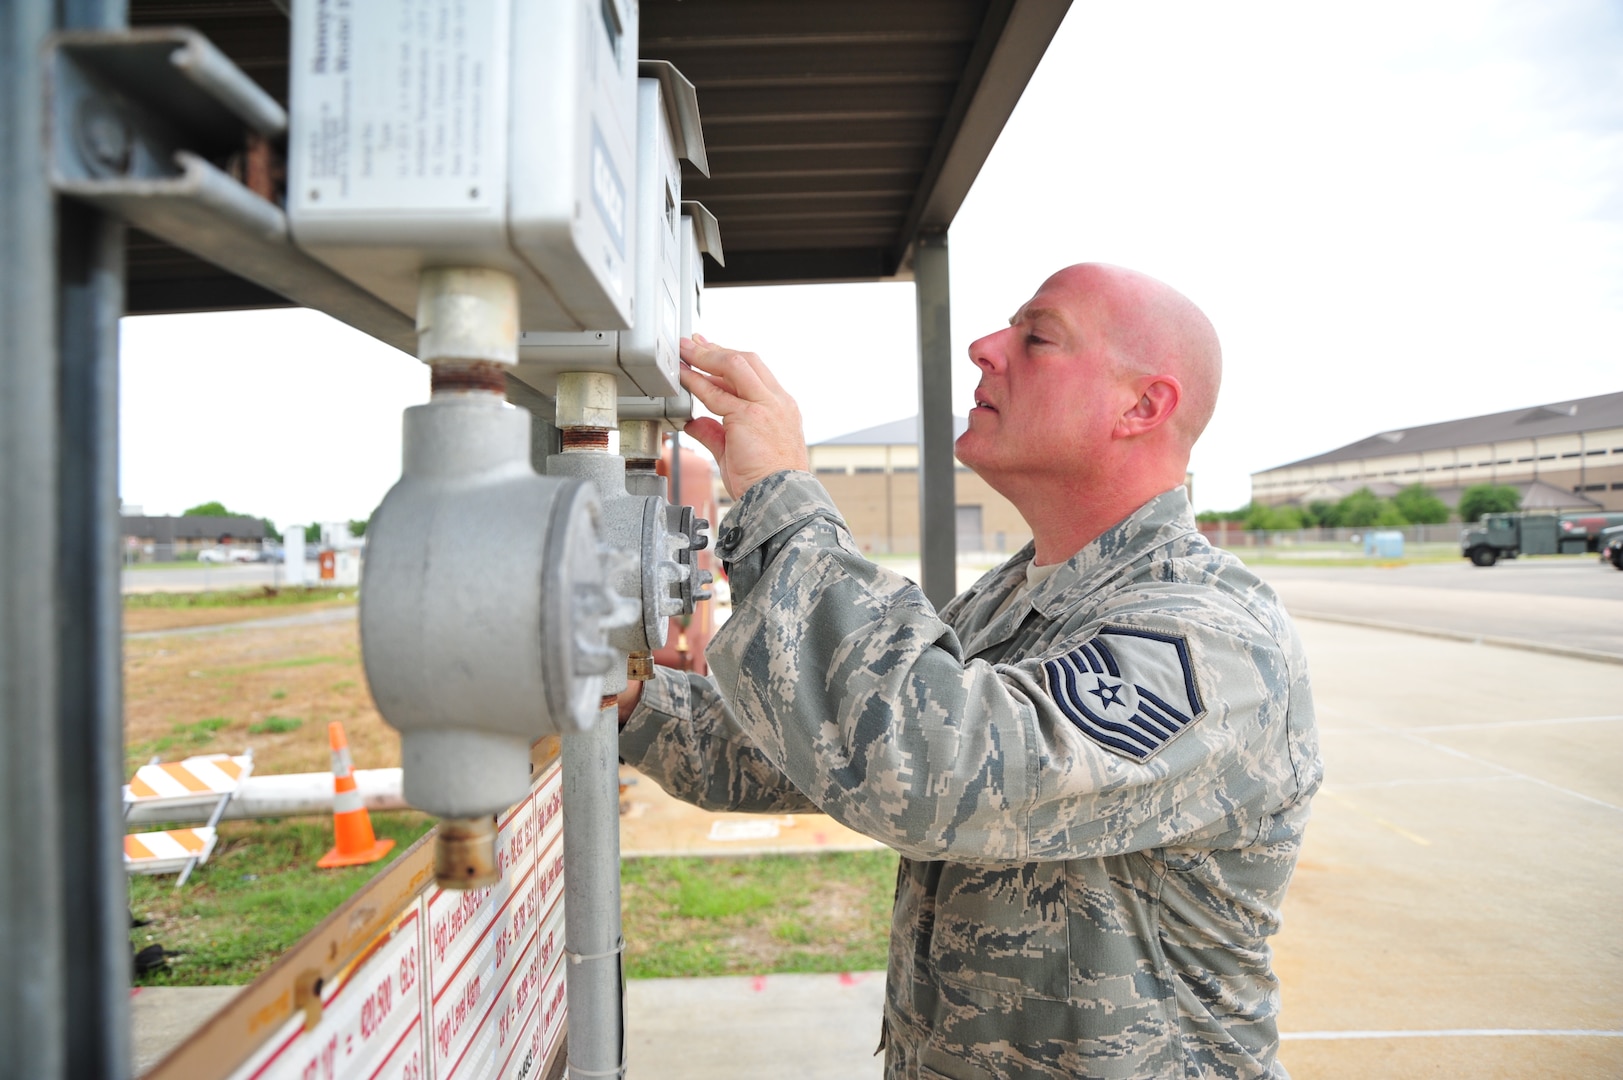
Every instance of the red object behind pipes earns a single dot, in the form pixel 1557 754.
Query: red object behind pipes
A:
pixel 685 645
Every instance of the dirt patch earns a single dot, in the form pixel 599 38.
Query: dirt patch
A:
pixel 272 689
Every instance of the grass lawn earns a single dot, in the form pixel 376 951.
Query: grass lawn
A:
pixel 757 916
pixel 253 900
pixel 261 893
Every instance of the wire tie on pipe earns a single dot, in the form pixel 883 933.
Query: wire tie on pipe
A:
pixel 581 958
pixel 572 1070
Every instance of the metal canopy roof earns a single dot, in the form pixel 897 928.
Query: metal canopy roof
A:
pixel 837 131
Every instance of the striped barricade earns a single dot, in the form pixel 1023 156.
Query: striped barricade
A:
pixel 197 780
pixel 207 778
pixel 168 851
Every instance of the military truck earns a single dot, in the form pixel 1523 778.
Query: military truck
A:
pixel 1505 536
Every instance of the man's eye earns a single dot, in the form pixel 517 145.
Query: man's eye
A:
pixel 1034 339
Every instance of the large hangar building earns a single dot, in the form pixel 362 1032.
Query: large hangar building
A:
pixel 1565 455
pixel 873 477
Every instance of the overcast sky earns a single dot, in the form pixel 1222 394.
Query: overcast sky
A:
pixel 1394 213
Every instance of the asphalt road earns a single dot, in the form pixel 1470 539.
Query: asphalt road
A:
pixel 1571 603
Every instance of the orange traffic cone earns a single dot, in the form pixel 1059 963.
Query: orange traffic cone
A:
pixel 352 825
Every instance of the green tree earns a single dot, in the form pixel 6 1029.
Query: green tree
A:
pixel 1320 512
pixel 208 509
pixel 1479 499
pixel 271 531
pixel 1364 508
pixel 1390 517
pixel 1273 518
pixel 312 534
pixel 357 526
pixel 1420 506
pixel 1212 517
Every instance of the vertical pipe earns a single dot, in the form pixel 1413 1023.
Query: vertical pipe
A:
pixel 592 934
pixel 676 469
pixel 938 526
pixel 593 947
pixel 90 731
pixel 63 928
pixel 33 993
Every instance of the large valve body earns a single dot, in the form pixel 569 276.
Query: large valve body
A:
pixel 484 606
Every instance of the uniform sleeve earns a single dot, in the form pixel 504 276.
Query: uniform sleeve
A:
pixel 681 737
pixel 1162 721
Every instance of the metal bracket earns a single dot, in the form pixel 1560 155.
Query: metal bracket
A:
pixel 141 122
pixel 709 229
pixel 682 108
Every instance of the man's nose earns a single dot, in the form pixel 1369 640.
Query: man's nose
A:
pixel 987 353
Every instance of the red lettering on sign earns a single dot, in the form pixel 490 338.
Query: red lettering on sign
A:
pixel 407 974
pixel 454 921
pixel 376 1007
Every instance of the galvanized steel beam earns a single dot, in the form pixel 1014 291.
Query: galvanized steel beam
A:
pixel 938 525
pixel 64 942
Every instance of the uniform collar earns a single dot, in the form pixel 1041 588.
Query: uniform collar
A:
pixel 1157 523
pixel 1154 525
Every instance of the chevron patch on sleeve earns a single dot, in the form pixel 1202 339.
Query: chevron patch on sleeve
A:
pixel 1130 691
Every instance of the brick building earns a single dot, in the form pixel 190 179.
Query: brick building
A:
pixel 873 477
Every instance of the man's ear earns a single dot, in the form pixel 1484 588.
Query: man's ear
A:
pixel 1158 399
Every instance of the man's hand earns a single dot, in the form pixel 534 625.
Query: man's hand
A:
pixel 628 700
pixel 759 433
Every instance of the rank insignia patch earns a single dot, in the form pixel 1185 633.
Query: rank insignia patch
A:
pixel 1130 691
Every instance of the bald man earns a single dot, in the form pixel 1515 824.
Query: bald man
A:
pixel 1096 763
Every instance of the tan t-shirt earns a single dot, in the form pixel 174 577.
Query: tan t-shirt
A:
pixel 1035 576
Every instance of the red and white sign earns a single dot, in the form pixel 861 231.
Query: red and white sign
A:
pixel 371 1021
pixel 462 985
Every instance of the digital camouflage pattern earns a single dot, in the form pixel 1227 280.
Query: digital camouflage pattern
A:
pixel 1087 883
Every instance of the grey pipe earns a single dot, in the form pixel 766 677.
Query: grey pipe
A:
pixel 593 947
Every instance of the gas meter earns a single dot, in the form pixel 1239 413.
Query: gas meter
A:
pixel 643 358
pixel 498 134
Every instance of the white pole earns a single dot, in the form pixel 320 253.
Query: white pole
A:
pixel 293 555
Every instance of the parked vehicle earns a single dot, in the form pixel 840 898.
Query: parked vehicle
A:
pixel 1611 545
pixel 1505 536
pixel 1588 527
pixel 222 554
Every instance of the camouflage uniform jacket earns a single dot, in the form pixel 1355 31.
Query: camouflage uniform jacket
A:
pixel 1098 797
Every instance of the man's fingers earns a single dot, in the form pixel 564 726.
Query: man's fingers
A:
pixel 730 365
pixel 709 434
pixel 756 364
pixel 715 397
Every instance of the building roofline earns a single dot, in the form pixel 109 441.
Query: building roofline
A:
pixel 1557 418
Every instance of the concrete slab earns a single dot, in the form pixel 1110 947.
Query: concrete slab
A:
pixel 161 1017
pixel 654 823
pixel 1453 913
pixel 788 1027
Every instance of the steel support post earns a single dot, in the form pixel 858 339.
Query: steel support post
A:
pixel 64 942
pixel 938 515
